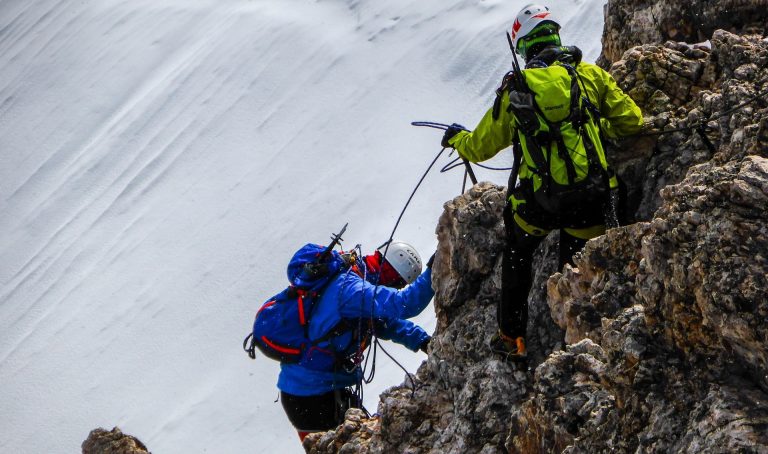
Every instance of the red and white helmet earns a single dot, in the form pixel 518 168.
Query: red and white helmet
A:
pixel 530 17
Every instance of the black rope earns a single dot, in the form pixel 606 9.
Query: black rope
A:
pixel 399 218
pixel 452 165
pixel 468 168
pixel 372 357
pixel 456 162
pixel 431 124
pixel 408 374
pixel 251 350
pixel 360 350
pixel 463 183
pixel 493 168
pixel 375 343
pixel 748 101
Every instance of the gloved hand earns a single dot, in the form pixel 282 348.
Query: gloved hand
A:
pixel 450 132
pixel 425 345
pixel 431 261
pixel 550 54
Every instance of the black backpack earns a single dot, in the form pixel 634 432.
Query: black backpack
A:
pixel 558 131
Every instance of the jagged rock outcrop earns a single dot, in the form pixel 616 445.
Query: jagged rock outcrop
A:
pixel 351 437
pixel 102 441
pixel 630 23
pixel 680 86
pixel 656 341
pixel 668 344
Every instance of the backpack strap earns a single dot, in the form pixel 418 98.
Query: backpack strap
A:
pixel 305 316
pixel 517 156
pixel 562 152
pixel 301 295
pixel 342 327
pixel 529 114
pixel 249 345
pixel 506 84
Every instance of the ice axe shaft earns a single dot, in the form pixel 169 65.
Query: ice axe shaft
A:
pixel 470 172
pixel 335 239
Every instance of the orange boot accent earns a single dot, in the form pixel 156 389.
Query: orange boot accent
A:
pixel 520 344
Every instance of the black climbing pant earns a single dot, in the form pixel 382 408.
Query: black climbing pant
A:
pixel 512 311
pixel 318 413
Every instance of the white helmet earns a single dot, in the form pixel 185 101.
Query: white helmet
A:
pixel 405 260
pixel 530 17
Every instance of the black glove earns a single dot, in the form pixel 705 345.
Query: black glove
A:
pixel 431 261
pixel 424 345
pixel 550 54
pixel 450 132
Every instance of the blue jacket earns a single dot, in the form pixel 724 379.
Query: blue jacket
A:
pixel 351 298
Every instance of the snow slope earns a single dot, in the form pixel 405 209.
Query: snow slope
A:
pixel 160 161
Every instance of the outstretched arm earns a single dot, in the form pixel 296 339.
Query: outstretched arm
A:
pixel 404 332
pixel 359 298
pixel 489 136
pixel 620 115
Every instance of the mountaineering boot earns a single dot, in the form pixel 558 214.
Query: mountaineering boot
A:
pixel 513 349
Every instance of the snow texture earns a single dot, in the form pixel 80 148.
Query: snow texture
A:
pixel 161 160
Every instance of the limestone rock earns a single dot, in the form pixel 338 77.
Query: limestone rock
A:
pixel 664 321
pixel 682 88
pixel 631 23
pixel 680 363
pixel 102 441
pixel 350 437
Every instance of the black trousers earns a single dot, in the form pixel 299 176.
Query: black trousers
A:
pixel 512 311
pixel 318 413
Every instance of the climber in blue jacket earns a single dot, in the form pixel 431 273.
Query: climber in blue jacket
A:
pixel 375 295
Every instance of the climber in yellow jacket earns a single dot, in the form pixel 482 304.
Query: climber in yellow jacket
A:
pixel 552 113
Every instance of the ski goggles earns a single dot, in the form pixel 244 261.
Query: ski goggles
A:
pixel 547 33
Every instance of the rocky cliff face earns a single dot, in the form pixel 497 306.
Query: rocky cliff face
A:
pixel 630 23
pixel 657 340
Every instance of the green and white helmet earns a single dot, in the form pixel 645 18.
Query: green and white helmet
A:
pixel 405 260
pixel 534 25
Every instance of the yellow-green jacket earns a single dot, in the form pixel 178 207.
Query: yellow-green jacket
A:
pixel 619 116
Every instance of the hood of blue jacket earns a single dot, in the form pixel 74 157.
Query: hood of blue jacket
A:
pixel 305 270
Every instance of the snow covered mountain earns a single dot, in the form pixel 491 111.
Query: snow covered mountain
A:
pixel 161 161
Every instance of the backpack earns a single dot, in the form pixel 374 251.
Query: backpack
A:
pixel 281 326
pixel 558 133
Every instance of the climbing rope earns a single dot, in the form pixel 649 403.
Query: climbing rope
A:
pixel 375 344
